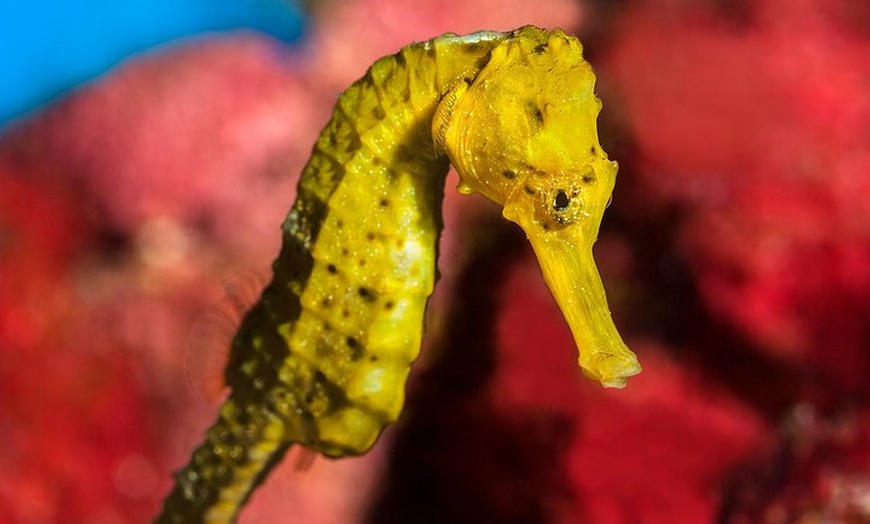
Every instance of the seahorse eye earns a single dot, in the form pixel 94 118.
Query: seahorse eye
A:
pixel 561 201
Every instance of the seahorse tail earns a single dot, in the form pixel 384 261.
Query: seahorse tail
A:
pixel 238 452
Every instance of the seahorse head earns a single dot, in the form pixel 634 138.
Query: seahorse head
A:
pixel 524 134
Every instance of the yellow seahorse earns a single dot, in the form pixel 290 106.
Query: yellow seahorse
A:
pixel 322 358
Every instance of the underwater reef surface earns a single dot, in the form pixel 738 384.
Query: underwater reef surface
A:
pixel 736 256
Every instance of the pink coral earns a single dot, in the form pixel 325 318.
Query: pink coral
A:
pixel 124 207
pixel 657 452
pixel 759 133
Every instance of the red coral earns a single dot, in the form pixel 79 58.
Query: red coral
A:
pixel 758 130
pixel 123 208
pixel 819 472
pixel 659 451
pixel 71 422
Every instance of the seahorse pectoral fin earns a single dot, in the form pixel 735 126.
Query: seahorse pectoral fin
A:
pixel 569 269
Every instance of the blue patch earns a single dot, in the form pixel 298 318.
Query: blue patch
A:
pixel 49 47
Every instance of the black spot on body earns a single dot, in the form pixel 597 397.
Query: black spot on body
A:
pixel 593 151
pixel 388 305
pixel 356 349
pixel 510 175
pixel 529 190
pixel 366 294
pixel 540 48
pixel 332 269
pixel 370 236
pixel 333 393
pixel 384 202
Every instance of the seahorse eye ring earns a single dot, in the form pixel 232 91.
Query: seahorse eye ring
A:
pixel 564 203
pixel 561 201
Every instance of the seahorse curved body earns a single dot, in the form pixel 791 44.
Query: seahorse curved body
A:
pixel 322 358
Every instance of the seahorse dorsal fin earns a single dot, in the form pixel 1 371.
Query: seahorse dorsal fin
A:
pixel 208 347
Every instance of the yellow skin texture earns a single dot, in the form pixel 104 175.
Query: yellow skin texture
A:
pixel 322 358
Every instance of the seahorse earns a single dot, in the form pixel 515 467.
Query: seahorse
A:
pixel 322 359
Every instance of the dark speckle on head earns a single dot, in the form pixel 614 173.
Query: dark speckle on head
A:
pixel 388 305
pixel 510 175
pixel 536 116
pixel 332 269
pixel 529 190
pixel 384 202
pixel 588 178
pixel 593 151
pixel 370 235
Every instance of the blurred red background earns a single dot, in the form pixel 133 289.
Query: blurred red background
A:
pixel 736 255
